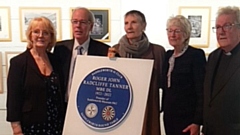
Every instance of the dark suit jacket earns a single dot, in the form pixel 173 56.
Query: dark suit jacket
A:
pixel 222 110
pixel 184 99
pixel 26 89
pixel 63 50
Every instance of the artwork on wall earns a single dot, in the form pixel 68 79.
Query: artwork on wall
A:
pixel 101 26
pixel 199 18
pixel 5 24
pixel 1 74
pixel 27 13
pixel 8 56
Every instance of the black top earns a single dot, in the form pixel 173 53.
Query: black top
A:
pixel 27 89
pixel 184 97
pixel 53 124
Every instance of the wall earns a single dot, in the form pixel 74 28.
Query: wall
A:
pixel 156 12
pixel 214 4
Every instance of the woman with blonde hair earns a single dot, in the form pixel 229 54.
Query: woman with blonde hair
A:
pixel 34 94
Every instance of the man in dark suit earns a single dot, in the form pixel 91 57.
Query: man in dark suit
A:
pixel 222 80
pixel 82 23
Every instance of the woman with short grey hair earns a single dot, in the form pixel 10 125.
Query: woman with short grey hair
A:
pixel 183 75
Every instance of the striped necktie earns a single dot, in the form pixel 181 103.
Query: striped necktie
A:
pixel 79 50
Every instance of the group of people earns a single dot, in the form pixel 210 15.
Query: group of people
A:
pixel 195 91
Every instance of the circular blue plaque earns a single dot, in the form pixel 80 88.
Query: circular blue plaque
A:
pixel 104 98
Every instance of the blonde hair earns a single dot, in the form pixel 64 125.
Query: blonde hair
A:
pixel 183 23
pixel 46 24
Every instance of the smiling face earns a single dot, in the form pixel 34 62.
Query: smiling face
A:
pixel 227 40
pixel 40 37
pixel 176 36
pixel 81 26
pixel 41 33
pixel 134 27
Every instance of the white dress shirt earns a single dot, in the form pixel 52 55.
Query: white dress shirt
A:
pixel 84 51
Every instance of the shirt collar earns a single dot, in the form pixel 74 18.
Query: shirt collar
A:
pixel 85 45
pixel 233 51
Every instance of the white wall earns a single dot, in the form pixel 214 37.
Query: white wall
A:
pixel 214 4
pixel 156 12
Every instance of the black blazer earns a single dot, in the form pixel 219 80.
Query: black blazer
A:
pixel 222 109
pixel 185 96
pixel 63 50
pixel 26 89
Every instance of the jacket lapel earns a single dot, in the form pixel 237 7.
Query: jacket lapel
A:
pixel 210 69
pixel 232 68
pixel 92 49
pixel 66 57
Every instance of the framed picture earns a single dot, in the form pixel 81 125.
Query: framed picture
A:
pixel 1 74
pixel 5 24
pixel 200 21
pixel 101 27
pixel 27 13
pixel 8 56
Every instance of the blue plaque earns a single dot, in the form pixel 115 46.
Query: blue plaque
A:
pixel 104 98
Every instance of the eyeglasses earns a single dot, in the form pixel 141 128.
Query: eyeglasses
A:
pixel 177 31
pixel 81 22
pixel 225 28
pixel 40 32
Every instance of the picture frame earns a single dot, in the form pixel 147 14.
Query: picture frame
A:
pixel 1 74
pixel 101 29
pixel 8 56
pixel 200 18
pixel 5 24
pixel 27 13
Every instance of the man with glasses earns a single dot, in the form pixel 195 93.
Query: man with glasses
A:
pixel 82 23
pixel 222 80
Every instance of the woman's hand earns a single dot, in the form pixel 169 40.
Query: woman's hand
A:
pixel 16 127
pixel 194 129
pixel 111 52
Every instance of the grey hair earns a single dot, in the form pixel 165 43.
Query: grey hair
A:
pixel 230 10
pixel 183 23
pixel 91 17
pixel 139 14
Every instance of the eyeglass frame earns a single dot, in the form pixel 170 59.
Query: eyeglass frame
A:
pixel 225 27
pixel 82 22
pixel 44 33
pixel 177 31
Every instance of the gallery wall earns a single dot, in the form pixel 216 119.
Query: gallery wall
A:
pixel 117 10
pixel 156 12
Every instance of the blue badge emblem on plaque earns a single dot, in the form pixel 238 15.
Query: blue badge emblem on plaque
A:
pixel 104 98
